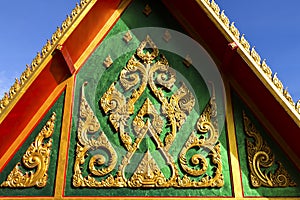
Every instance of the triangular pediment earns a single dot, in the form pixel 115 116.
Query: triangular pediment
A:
pixel 148 98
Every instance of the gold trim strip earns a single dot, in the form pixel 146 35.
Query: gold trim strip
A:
pixel 252 58
pixel 27 130
pixel 101 34
pixel 270 129
pixel 234 158
pixel 150 198
pixel 42 59
pixel 64 139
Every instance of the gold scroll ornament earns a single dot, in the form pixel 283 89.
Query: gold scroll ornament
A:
pixel 146 69
pixel 261 159
pixel 36 157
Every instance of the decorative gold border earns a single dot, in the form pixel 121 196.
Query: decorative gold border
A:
pixel 252 58
pixel 35 119
pixel 101 34
pixel 42 59
pixel 269 127
pixel 234 157
pixel 64 139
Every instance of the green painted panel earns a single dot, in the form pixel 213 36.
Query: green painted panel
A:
pixel 99 79
pixel 48 190
pixel 249 190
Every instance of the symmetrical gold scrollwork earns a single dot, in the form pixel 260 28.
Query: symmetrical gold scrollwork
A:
pixel 146 69
pixel 88 124
pixel 260 156
pixel 36 157
pixel 207 123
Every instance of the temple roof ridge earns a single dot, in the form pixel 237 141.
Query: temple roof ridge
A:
pixel 238 40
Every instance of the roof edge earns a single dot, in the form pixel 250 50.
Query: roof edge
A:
pixel 42 58
pixel 251 56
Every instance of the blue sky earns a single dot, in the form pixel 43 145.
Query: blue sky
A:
pixel 272 26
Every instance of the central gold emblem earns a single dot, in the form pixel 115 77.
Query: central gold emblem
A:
pixel 158 121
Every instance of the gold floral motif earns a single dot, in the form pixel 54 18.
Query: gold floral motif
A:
pixel 255 55
pixel 145 69
pixel 288 96
pixel 167 36
pixel 234 31
pixel 47 49
pixel 245 43
pixel 127 37
pixel 36 157
pixel 261 157
pixel 266 69
pixel 215 7
pixel 277 82
pixel 147 174
pixel 88 124
pixel 207 124
pixel 108 61
pixel 224 19
pixel 147 10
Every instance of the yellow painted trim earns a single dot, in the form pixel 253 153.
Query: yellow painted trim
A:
pixel 27 130
pixel 64 139
pixel 101 33
pixel 277 137
pixel 234 158
pixel 45 61
pixel 150 198
pixel 250 62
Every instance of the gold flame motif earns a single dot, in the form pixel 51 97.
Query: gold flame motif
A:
pixel 147 69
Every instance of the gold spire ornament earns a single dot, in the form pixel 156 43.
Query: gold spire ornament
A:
pixel 261 159
pixel 36 157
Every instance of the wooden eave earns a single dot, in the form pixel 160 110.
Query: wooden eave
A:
pixel 200 18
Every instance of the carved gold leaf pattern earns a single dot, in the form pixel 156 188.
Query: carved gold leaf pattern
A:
pixel 261 158
pixel 88 124
pixel 36 157
pixel 145 69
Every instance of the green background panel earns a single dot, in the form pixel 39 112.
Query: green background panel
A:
pixel 99 80
pixel 239 107
pixel 48 190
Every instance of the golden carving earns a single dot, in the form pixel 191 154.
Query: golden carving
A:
pixel 88 124
pixel 224 19
pixel 47 49
pixel 234 31
pixel 277 83
pixel 207 123
pixel 261 157
pixel 255 55
pixel 145 69
pixel 297 106
pixel 36 157
pixel 127 37
pixel 215 7
pixel 147 174
pixel 167 36
pixel 147 10
pixel 287 95
pixel 108 61
pixel 245 43
pixel 188 61
pixel 266 69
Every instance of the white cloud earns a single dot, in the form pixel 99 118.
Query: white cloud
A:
pixel 6 81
